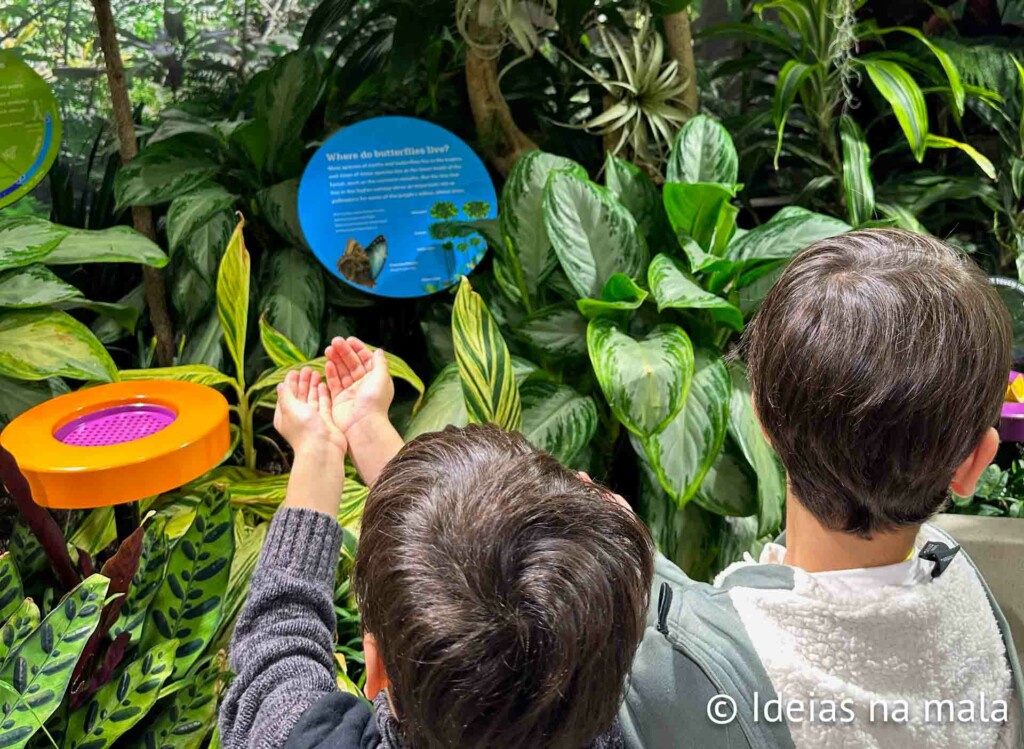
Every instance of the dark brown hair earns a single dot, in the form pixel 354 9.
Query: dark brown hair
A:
pixel 506 595
pixel 877 362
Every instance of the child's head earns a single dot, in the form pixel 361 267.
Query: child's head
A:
pixel 505 597
pixel 878 364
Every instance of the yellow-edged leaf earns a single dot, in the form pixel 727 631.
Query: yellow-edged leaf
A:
pixel 233 297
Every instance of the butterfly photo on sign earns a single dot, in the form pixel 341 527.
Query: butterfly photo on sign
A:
pixel 363 266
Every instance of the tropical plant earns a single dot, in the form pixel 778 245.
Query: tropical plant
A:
pixel 608 312
pixel 1000 493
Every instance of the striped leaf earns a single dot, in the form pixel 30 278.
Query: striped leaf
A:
pixel 200 374
pixel 701 212
pixel 33 286
pixel 233 298
pixel 619 297
pixel 187 213
pixel 18 626
pixel 39 668
pixel 281 351
pixel 279 205
pixel 521 217
pixel 284 99
pixel 443 405
pixel 11 592
pixel 292 296
pixel 557 332
pixel 646 381
pixel 634 189
pixel 187 605
pixel 557 419
pixel 593 234
pixel 746 431
pixel 857 182
pixel 163 171
pixel 145 584
pixel 485 365
pixel 37 344
pixel 118 244
pixel 121 703
pixel 704 152
pixel 684 451
pixel 939 141
pixel 184 721
pixel 672 287
pixel 904 96
pixel 24 241
pixel 792 76
pixel 729 487
pixel 956 86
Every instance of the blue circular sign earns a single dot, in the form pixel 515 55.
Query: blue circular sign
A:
pixel 387 205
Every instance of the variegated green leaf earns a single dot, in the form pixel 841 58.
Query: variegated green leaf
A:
pixel 11 592
pixel 728 488
pixel 558 331
pixel 121 703
pixel 188 604
pixel 746 430
pixel 118 244
pixel 485 365
pixel 704 152
pixel 781 237
pixel 557 419
pixel 634 189
pixel 18 396
pixel 673 288
pixel 194 268
pixel 293 296
pixel 163 171
pixel 187 213
pixel 701 261
pixel 284 99
pixel 645 381
pixel 956 86
pixel 904 96
pixel 443 405
pixel 593 234
pixel 521 216
pixel 33 286
pixel 738 537
pixel 197 373
pixel 702 212
pixel 185 720
pixel 39 668
pixel 233 298
pixel 857 183
pixel 281 351
pixel 24 241
pixel 792 76
pixel 619 297
pixel 18 626
pixel 279 205
pixel 683 452
pixel 36 344
pixel 939 141
pixel 147 580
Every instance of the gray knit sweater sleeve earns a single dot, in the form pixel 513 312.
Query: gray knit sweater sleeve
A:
pixel 282 650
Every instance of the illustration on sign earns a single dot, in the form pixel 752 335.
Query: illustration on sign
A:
pixel 30 128
pixel 388 205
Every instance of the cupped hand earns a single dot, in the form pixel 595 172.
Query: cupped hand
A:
pixel 360 386
pixel 303 413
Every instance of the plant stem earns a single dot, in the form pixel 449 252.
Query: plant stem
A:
pixel 245 425
pixel 679 40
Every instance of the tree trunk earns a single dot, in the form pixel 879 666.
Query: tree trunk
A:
pixel 142 217
pixel 500 138
pixel 680 46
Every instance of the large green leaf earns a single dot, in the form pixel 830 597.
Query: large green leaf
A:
pixel 521 216
pixel 187 606
pixel 442 405
pixel 40 667
pixel 163 171
pixel 11 592
pixel 284 100
pixel 485 365
pixel 781 237
pixel 703 152
pixel 593 234
pixel 37 344
pixel 233 298
pixel 18 396
pixel 634 189
pixel 619 297
pixel 120 704
pixel 702 212
pixel 557 419
pixel 197 373
pixel 558 332
pixel 857 183
pixel 184 721
pixel 187 213
pixel 147 580
pixel 792 76
pixel 904 96
pixel 194 268
pixel 673 288
pixel 281 351
pixel 728 487
pixel 33 286
pixel 746 430
pixel 645 381
pixel 18 626
pixel 293 296
pixel 683 452
pixel 279 205
pixel 701 261
pixel 24 241
pixel 118 244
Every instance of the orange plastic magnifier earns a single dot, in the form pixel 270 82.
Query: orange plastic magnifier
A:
pixel 119 442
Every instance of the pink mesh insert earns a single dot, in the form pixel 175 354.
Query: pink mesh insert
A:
pixel 113 426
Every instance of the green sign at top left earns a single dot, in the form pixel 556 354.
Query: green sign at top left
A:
pixel 30 128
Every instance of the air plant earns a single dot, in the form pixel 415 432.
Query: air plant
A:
pixel 490 25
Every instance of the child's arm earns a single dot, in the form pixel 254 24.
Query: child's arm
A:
pixel 282 650
pixel 361 393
